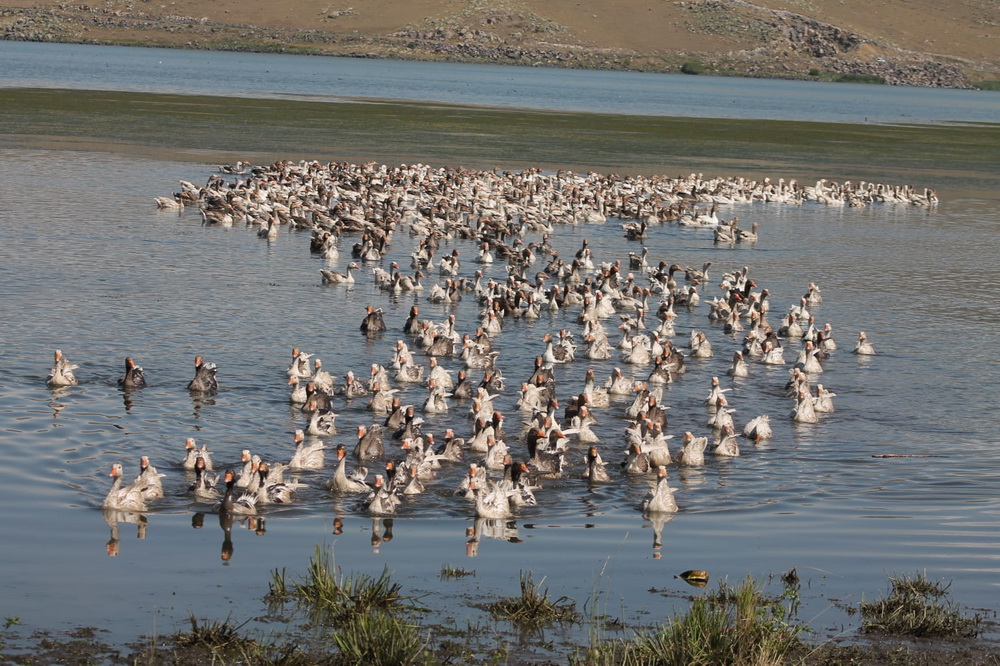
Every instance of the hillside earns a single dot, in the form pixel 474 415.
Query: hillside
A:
pixel 904 42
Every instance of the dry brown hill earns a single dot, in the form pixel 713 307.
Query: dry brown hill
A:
pixel 915 42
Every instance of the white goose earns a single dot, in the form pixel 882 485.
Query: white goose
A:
pixel 661 498
pixel 61 373
pixel 333 277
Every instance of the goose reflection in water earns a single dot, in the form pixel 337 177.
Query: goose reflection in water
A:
pixel 490 528
pixel 381 532
pixel 657 521
pixel 113 517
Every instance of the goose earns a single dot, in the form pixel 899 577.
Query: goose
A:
pixel 453 447
pixel 437 399
pixel 203 487
pixel 758 428
pixel 722 416
pixel 700 346
pixel 306 456
pixel 744 236
pixel 618 384
pixel 128 498
pixel 807 360
pixel 321 424
pixel 149 480
pixel 133 377
pixel 713 395
pixel 547 462
pixel 243 504
pixel 823 400
pixel 246 476
pixel 739 367
pixel 274 491
pixel 596 397
pixel 321 379
pixel 692 451
pixel 485 256
pixel 381 399
pixel 352 388
pixel 192 453
pixel 342 482
pixel 727 444
pixel 372 324
pixel 773 354
pixel 826 342
pixel 61 373
pixel 381 501
pixel 299 367
pixel 412 323
pixel 333 277
pixel 370 445
pixel 596 471
pixel 661 498
pixel 492 503
pixel 804 411
pixel 863 347
pixel 204 381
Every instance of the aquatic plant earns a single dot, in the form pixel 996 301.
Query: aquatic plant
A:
pixel 533 609
pixel 332 597
pixel 917 607
pixel 450 572
pixel 379 638
pixel 726 626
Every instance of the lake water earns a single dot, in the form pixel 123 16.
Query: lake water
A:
pixel 90 266
pixel 314 77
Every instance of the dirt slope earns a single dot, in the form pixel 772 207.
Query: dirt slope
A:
pixel 916 42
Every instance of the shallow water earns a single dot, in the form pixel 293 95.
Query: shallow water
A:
pixel 91 267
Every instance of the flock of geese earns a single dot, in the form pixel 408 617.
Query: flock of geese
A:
pixel 625 309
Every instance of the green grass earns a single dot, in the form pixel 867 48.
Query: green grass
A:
pixel 533 609
pixel 920 608
pixel 331 596
pixel 692 67
pixel 989 85
pixel 379 639
pixel 735 626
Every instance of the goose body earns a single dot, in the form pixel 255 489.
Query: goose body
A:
pixel 61 373
pixel 661 498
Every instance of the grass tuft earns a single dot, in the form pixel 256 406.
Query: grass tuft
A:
pixel 379 638
pixel 918 607
pixel 336 597
pixel 738 626
pixel 449 572
pixel 533 609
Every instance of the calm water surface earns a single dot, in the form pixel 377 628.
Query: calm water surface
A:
pixel 91 267
pixel 256 75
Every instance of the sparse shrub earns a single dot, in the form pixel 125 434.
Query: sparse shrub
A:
pixel 693 67
pixel 858 78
